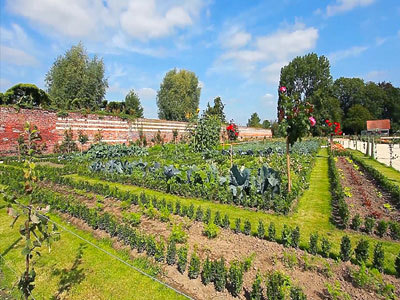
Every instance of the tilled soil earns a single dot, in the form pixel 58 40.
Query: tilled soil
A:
pixel 309 272
pixel 367 198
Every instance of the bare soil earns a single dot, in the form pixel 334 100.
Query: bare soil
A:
pixel 309 272
pixel 367 198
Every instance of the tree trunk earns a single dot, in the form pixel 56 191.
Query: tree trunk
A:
pixel 231 155
pixel 288 165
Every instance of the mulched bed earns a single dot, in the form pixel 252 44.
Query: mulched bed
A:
pixel 270 256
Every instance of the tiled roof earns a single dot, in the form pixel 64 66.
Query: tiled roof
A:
pixel 378 124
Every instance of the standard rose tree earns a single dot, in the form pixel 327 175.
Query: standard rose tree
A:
pixel 295 120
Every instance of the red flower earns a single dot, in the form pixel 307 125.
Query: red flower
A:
pixel 230 127
pixel 282 89
pixel 327 121
pixel 236 133
pixel 329 124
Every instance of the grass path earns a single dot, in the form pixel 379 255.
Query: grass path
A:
pixel 389 172
pixel 77 269
pixel 312 213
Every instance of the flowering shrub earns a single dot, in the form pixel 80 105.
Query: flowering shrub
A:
pixel 335 129
pixel 232 131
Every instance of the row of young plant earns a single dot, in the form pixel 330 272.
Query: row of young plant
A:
pixel 210 271
pixel 383 181
pixel 290 237
pixel 341 214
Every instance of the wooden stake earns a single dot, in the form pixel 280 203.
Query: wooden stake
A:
pixel 288 165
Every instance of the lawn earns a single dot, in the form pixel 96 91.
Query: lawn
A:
pixel 77 268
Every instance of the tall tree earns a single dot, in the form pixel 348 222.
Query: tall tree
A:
pixel 374 99
pixel 179 96
pixel 254 121
pixel 391 109
pixel 357 117
pixel 216 110
pixel 133 105
pixel 349 91
pixel 76 81
pixel 308 78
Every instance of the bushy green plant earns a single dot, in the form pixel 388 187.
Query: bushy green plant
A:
pixel 211 230
pixel 199 214
pixel 207 216
pixel 379 257
pixel 271 232
pixel 237 225
pixel 194 266
pixel 220 275
pixel 247 227
pixel 178 234
pixel 369 224
pixel 286 236
pixel 345 248
pixel 367 278
pixel 178 207
pixel 296 237
pixel 257 291
pixel 190 212
pixel 171 252
pixel 356 222
pixel 296 293
pixel 235 276
pixel 225 222
pixel 207 133
pixel 151 246
pixel 217 218
pixel 248 261
pixel 313 247
pixel 394 229
pixel 182 259
pixel 131 218
pixel 160 251
pixel 361 251
pixel 336 292
pixel 397 265
pixel 260 230
pixel 325 247
pixel 277 286
pixel 207 274
pixel 382 228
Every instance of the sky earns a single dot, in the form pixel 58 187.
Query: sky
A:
pixel 235 47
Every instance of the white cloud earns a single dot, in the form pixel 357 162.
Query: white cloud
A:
pixel 268 54
pixel 376 75
pixel 101 20
pixel 235 38
pixel 342 6
pixel 146 93
pixel 342 54
pixel 5 84
pixel 17 57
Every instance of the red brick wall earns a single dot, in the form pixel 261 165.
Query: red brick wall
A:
pixel 113 129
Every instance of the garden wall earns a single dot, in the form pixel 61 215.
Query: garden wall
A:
pixel 113 129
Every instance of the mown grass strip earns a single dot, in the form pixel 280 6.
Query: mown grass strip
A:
pixel 312 214
pixel 391 173
pixel 94 275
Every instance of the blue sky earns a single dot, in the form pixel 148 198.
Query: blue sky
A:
pixel 236 48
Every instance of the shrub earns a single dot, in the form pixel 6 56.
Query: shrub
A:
pixel 226 223
pixel 286 236
pixel 236 278
pixel 256 291
pixel 367 278
pixel 296 237
pixel 210 230
pixel 171 252
pixel 313 243
pixel 199 214
pixel 131 218
pixel 248 261
pixel 397 264
pixel 178 234
pixel 220 275
pixel 345 248
pixel 182 258
pixel 394 228
pixel 271 232
pixel 335 292
pixel 190 212
pixel 178 207
pixel 379 257
pixel 247 227
pixel 277 285
pixel 207 216
pixel 194 266
pixel 325 247
pixel 151 246
pixel 260 230
pixel 356 222
pixel 369 224
pixel 296 293
pixel 217 218
pixel 207 274
pixel 237 225
pixel 382 228
pixel 361 251
pixel 160 251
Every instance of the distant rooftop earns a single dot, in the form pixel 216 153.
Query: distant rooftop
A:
pixel 378 124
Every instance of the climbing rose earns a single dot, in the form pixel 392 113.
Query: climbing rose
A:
pixel 282 89
pixel 312 121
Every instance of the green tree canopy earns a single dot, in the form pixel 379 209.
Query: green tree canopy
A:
pixel 76 81
pixel 254 121
pixel 357 117
pixel 216 110
pixel 179 96
pixel 349 91
pixel 133 105
pixel 26 95
pixel 391 108
pixel 266 124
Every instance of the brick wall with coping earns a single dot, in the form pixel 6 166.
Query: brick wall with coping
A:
pixel 113 129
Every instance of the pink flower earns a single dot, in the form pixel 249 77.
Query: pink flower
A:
pixel 282 89
pixel 312 121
